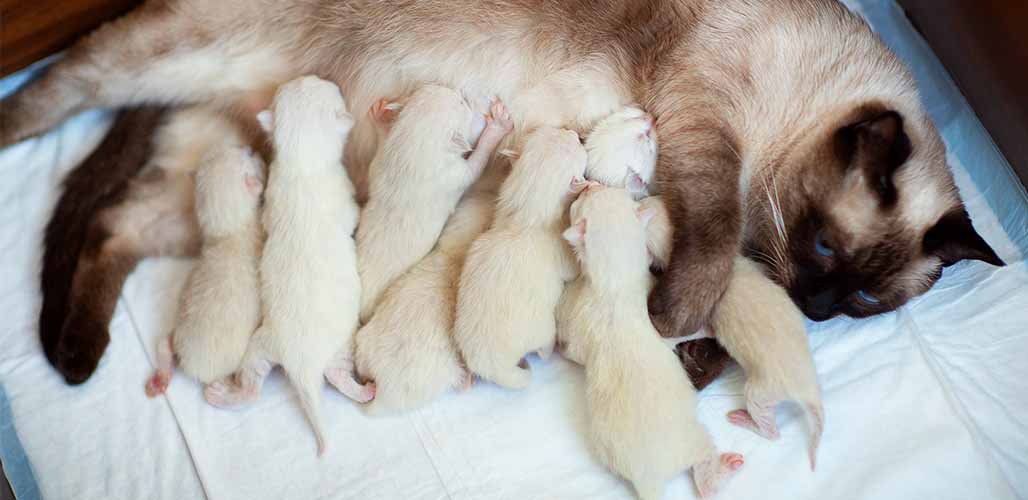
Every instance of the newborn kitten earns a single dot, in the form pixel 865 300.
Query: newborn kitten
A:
pixel 642 408
pixel 622 151
pixel 763 330
pixel 310 289
pixel 416 180
pixel 407 348
pixel 515 272
pixel 220 305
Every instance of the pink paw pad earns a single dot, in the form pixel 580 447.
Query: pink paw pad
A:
pixel 732 461
pixel 157 384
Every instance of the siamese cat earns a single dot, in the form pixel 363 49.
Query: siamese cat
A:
pixel 788 129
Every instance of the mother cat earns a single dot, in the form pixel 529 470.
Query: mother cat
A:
pixel 788 131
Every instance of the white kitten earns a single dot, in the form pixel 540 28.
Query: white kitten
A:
pixel 220 305
pixel 622 151
pixel 642 407
pixel 407 348
pixel 416 180
pixel 762 329
pixel 515 272
pixel 310 289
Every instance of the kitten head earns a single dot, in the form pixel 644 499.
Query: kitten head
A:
pixel 229 184
pixel 308 118
pixel 870 218
pixel 608 233
pixel 435 113
pixel 545 177
pixel 623 151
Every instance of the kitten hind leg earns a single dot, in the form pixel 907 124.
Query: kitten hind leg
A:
pixel 340 374
pixel 759 417
pixel 246 387
pixel 708 475
pixel 158 383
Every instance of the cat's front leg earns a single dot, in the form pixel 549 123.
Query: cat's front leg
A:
pixel 698 177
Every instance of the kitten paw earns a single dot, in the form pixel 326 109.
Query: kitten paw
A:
pixel 499 118
pixel 157 384
pixel 383 112
pixel 224 394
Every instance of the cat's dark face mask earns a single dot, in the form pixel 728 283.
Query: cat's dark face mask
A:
pixel 862 220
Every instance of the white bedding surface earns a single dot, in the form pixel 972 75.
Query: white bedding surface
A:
pixel 927 402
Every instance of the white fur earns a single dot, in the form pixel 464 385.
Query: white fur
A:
pixel 659 232
pixel 220 305
pixel 642 407
pixel 407 348
pixel 762 329
pixel 415 181
pixel 310 289
pixel 515 272
pixel 622 151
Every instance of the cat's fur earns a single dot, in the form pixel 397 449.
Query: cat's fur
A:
pixel 622 151
pixel 642 409
pixel 416 180
pixel 310 290
pixel 407 348
pixel 777 119
pixel 220 305
pixel 101 181
pixel 515 272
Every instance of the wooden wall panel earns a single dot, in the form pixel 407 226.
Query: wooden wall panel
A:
pixel 984 45
pixel 33 29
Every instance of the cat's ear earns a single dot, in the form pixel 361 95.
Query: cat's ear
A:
pixel 267 120
pixel 575 235
pixel 954 238
pixel 878 145
pixel 645 215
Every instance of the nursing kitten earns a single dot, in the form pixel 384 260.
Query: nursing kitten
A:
pixel 787 128
pixel 762 329
pixel 642 408
pixel 622 151
pixel 416 180
pixel 310 290
pixel 220 306
pixel 407 348
pixel 515 272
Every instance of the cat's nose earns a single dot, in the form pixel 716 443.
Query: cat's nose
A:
pixel 820 306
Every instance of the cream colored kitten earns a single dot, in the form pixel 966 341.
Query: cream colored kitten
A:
pixel 220 306
pixel 515 272
pixel 310 289
pixel 642 408
pixel 416 180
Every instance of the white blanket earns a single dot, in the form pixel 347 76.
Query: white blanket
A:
pixel 926 402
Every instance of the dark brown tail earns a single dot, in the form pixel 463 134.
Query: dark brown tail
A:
pixel 100 181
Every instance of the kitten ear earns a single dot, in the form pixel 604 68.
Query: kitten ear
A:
pixel 636 184
pixel 578 184
pixel 954 238
pixel 645 215
pixel 461 143
pixel 575 235
pixel 267 120
pixel 879 146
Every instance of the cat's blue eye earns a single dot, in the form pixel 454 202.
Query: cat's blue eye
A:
pixel 867 297
pixel 821 246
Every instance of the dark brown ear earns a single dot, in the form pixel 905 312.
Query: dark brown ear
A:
pixel 954 239
pixel 878 145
